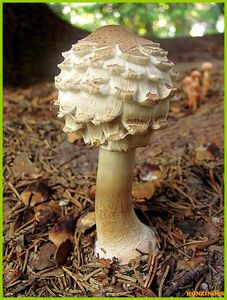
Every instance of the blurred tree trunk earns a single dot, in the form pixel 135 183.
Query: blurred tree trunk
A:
pixel 33 39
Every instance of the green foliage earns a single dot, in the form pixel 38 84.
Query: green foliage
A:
pixel 157 19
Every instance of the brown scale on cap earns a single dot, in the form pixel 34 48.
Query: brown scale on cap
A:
pixel 111 35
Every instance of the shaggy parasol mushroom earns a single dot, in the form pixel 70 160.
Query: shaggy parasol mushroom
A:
pixel 115 88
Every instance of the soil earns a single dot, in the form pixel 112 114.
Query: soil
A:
pixel 49 191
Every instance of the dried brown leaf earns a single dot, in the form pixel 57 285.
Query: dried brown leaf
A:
pixel 63 252
pixel 106 263
pixel 47 212
pixel 23 167
pixel 210 230
pixel 62 231
pixel 204 152
pixel 190 264
pixel 74 136
pixel 86 221
pixel 144 190
pixel 35 193
pixel 45 258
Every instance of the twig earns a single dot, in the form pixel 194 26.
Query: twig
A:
pixel 25 261
pixel 25 225
pixel 175 246
pixel 163 281
pixel 199 282
pixel 186 278
pixel 150 276
pixel 74 277
pixel 125 277
pixel 14 190
pixel 185 195
pixel 95 272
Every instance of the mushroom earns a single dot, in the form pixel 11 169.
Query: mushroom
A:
pixel 187 81
pixel 196 74
pixel 206 68
pixel 195 86
pixel 194 95
pixel 115 87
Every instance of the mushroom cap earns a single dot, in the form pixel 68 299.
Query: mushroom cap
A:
pixel 206 66
pixel 187 80
pixel 115 87
pixel 195 74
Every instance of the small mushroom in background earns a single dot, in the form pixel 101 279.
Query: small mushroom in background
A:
pixel 196 74
pixel 194 95
pixel 187 82
pixel 116 87
pixel 206 68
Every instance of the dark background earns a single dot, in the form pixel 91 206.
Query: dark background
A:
pixel 34 37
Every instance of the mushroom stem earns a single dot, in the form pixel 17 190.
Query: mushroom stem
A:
pixel 119 231
pixel 194 95
pixel 187 81
pixel 206 68
pixel 205 84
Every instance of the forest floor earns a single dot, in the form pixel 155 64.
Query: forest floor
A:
pixel 49 191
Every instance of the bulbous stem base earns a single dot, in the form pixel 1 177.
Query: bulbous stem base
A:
pixel 119 232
